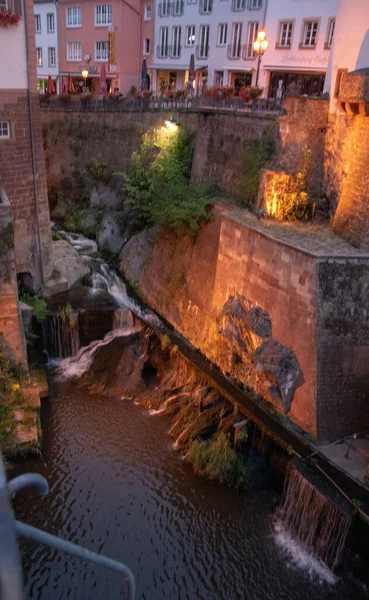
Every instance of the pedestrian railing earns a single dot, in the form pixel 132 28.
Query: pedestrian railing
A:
pixel 119 104
pixel 11 580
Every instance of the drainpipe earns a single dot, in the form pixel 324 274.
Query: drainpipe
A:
pixel 32 143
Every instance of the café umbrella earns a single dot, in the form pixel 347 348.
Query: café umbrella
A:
pixel 70 86
pixel 50 85
pixel 144 81
pixel 191 73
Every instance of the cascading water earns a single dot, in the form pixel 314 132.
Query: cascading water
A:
pixel 60 334
pixel 311 521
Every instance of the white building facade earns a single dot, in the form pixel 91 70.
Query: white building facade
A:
pixel 220 33
pixel 46 34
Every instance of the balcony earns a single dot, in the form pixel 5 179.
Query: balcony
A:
pixel 162 51
pixel 202 52
pixel 164 9
pixel 206 7
pixel 238 5
pixel 248 52
pixel 234 51
pixel 177 8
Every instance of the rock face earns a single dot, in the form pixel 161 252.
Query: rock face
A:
pixel 134 254
pixel 102 195
pixel 70 264
pixel 259 360
pixel 111 235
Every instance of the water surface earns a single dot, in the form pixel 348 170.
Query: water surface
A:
pixel 117 487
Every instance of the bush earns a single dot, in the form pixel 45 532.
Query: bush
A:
pixel 219 92
pixel 38 305
pixel 11 397
pixel 248 92
pixel 159 189
pixel 64 98
pixel 216 459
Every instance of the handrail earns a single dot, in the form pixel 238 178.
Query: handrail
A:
pixel 10 569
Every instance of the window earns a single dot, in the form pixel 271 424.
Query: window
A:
pixel 50 19
pixel 309 34
pixel 164 8
pixel 146 48
pixel 285 34
pixel 177 8
pixel 74 16
pixel 147 12
pixel 52 57
pixel 39 57
pixel 74 51
pixel 234 50
pixel 38 23
pixel 102 51
pixel 4 129
pixel 255 4
pixel 103 15
pixel 203 48
pixel 252 34
pixel 190 35
pixel 4 4
pixel 222 34
pixel 163 45
pixel 206 6
pixel 176 39
pixel 330 32
pixel 238 5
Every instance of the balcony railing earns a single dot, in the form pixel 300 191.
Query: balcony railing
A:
pixel 10 566
pixel 234 51
pixel 202 52
pixel 164 9
pixel 238 5
pixel 248 52
pixel 162 51
pixel 206 7
pixel 177 8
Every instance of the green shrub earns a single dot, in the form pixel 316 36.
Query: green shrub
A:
pixel 99 170
pixel 11 397
pixel 38 305
pixel 216 459
pixel 56 236
pixel 158 186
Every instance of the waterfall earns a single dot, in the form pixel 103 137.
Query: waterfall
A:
pixel 76 366
pixel 123 318
pixel 60 335
pixel 315 522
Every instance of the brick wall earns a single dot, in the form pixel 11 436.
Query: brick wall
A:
pixel 27 194
pixel 347 176
pixel 11 327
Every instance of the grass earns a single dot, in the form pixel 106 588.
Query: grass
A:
pixel 216 459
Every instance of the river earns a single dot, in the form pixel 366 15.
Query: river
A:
pixel 118 487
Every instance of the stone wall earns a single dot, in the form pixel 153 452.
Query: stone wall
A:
pixel 22 170
pixel 11 328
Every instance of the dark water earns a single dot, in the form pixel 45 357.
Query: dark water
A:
pixel 117 487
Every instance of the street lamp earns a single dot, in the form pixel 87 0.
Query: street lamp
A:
pixel 84 75
pixel 260 46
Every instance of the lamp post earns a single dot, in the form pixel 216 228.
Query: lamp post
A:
pixel 260 46
pixel 85 75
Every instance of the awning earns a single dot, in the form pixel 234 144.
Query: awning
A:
pixel 168 67
pixel 235 69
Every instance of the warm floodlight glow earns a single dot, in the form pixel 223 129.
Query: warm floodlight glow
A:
pixel 261 36
pixel 171 125
pixel 257 46
pixel 264 45
pixel 85 74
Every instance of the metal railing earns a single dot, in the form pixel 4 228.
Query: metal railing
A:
pixel 164 103
pixel 11 587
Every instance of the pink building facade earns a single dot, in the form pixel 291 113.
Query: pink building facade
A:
pixel 114 34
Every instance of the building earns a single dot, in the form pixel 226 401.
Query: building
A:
pixel 220 33
pixel 22 172
pixel 300 38
pixel 46 35
pixel 117 35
